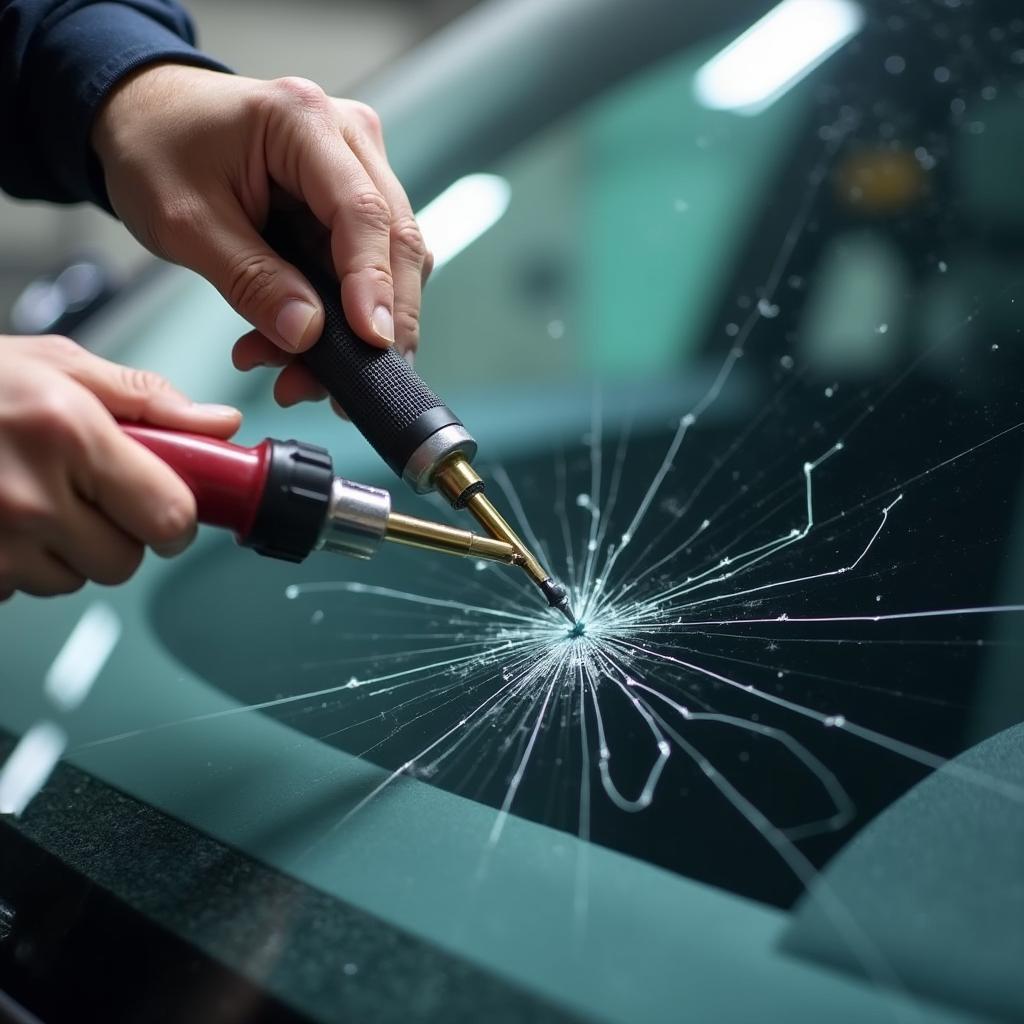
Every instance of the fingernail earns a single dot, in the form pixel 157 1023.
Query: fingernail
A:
pixel 293 321
pixel 384 324
pixel 409 356
pixel 223 412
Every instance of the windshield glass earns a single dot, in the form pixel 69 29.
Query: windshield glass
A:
pixel 747 372
pixel 782 542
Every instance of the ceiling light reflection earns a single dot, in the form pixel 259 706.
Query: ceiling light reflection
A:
pixel 775 53
pixel 69 679
pixel 462 213
pixel 29 766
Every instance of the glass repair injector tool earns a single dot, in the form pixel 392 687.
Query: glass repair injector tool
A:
pixel 282 499
pixel 412 430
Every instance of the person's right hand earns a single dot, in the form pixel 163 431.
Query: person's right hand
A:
pixel 79 499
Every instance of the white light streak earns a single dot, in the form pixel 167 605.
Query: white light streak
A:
pixel 776 53
pixel 29 765
pixel 461 214
pixel 79 662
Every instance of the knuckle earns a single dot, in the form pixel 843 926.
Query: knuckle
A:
pixel 49 418
pixel 24 510
pixel 141 383
pixel 250 282
pixel 377 278
pixel 407 324
pixel 406 235
pixel 299 92
pixel 58 347
pixel 428 264
pixel 368 118
pixel 371 209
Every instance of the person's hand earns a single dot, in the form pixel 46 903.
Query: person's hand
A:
pixel 194 160
pixel 79 499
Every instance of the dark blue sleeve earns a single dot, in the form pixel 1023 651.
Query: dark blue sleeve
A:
pixel 58 61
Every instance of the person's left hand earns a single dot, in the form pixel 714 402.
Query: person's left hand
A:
pixel 194 160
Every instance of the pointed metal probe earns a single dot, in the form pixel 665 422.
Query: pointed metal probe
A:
pixel 558 598
pixel 464 488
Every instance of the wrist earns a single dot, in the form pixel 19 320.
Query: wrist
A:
pixel 140 95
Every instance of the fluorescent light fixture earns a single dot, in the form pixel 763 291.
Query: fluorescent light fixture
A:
pixel 29 766
pixel 462 213
pixel 69 679
pixel 775 53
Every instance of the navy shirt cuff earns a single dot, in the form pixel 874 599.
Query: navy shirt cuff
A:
pixel 85 55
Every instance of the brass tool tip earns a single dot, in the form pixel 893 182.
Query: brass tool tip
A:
pixel 460 483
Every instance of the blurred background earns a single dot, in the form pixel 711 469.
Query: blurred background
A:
pixel 261 38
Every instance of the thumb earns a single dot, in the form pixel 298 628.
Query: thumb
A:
pixel 266 290
pixel 141 395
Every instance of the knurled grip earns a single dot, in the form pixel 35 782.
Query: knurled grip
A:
pixel 392 407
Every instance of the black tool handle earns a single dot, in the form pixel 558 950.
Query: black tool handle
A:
pixel 389 403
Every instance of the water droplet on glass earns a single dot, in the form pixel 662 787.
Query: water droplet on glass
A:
pixel 732 330
pixel 317 617
pixel 941 74
pixel 882 329
pixel 895 64
pixel 291 592
pixel 680 206
pixel 766 309
pixel 786 362
pixel 556 329
pixel 943 266
pixel 924 158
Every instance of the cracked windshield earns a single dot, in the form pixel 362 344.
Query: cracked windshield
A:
pixel 740 338
pixel 788 323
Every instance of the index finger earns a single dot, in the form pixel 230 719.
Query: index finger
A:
pixel 310 159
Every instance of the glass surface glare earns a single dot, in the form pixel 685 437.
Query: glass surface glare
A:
pixel 774 54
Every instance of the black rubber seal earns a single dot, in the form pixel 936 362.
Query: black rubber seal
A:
pixel 460 501
pixel 295 501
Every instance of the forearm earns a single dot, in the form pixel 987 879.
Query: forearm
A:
pixel 59 59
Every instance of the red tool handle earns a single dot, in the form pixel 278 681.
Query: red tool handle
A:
pixel 227 479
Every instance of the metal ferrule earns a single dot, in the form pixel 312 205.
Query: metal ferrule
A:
pixel 419 470
pixel 357 519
